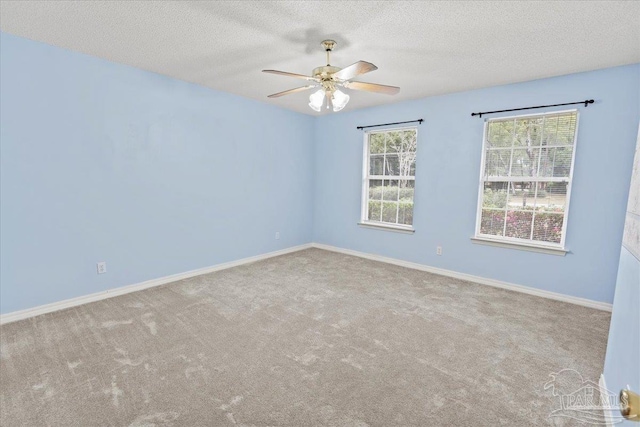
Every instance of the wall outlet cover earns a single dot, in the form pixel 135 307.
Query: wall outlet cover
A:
pixel 102 267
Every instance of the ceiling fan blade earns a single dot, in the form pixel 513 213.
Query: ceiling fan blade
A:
pixel 372 87
pixel 298 76
pixel 354 70
pixel 287 92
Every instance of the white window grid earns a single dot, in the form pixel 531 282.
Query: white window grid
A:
pixel 367 178
pixel 509 179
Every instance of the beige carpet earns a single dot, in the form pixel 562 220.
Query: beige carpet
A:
pixel 313 338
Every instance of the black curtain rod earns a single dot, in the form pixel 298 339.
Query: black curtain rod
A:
pixel 586 103
pixel 389 124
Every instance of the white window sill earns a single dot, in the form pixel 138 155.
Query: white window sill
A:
pixel 552 250
pixel 387 227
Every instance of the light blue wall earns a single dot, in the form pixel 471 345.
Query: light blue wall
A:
pixel 103 162
pixel 156 176
pixel 448 168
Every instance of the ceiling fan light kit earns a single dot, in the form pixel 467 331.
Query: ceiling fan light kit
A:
pixel 328 78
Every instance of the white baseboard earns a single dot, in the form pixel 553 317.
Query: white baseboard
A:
pixel 470 278
pixel 73 302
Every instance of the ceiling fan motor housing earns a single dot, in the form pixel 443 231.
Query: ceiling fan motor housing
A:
pixel 325 72
pixel 325 75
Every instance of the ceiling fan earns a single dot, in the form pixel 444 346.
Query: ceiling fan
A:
pixel 328 78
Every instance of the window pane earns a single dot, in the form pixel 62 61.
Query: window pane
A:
pixel 522 195
pixel 519 224
pixel 409 140
pixel 391 164
pixel 500 134
pixel 497 163
pixel 376 143
pixel 405 213
pixel 495 195
pixel 401 141
pixel 407 164
pixel 555 162
pixel 547 227
pixel 374 212
pixel 376 162
pixel 566 129
pixel 524 162
pixel 550 130
pixel 560 129
pixel 390 191
pixel 394 141
pixel 552 196
pixel 375 189
pixel 492 222
pixel 528 132
pixel 389 211
pixel 407 188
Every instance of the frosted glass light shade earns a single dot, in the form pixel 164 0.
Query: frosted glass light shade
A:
pixel 340 99
pixel 316 100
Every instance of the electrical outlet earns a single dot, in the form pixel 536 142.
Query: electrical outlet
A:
pixel 102 267
pixel 277 235
pixel 439 250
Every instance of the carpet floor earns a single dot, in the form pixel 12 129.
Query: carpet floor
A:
pixel 313 338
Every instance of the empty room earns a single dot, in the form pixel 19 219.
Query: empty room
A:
pixel 319 213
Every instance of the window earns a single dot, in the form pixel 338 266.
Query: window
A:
pixel 525 181
pixel 389 178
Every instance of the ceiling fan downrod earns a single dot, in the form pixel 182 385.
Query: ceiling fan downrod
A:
pixel 325 72
pixel 328 47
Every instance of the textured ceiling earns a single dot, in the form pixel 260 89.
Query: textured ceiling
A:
pixel 426 48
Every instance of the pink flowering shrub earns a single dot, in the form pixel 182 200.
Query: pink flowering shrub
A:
pixel 547 224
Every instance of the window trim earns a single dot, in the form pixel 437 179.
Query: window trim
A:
pixel 387 227
pixel 504 241
pixel 364 185
pixel 531 247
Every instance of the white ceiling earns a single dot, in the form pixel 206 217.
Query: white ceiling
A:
pixel 426 48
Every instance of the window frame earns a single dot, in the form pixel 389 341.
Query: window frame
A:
pixel 364 206
pixel 514 242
